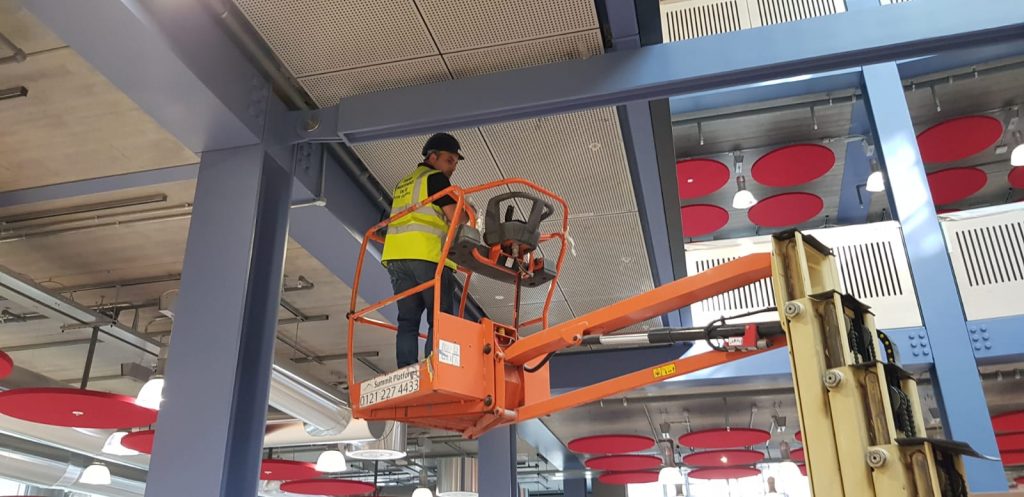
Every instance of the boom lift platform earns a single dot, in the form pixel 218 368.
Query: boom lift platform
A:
pixel 863 430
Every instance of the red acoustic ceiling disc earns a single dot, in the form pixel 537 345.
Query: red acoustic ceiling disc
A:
pixel 624 463
pixel 6 365
pixel 278 469
pixel 699 177
pixel 724 438
pixel 327 487
pixel 1016 178
pixel 799 436
pixel 611 444
pixel 797 455
pixel 1009 422
pixel 1012 458
pixel 75 408
pixel 1019 480
pixel 786 209
pixel 139 441
pixel 1008 442
pixel 723 458
pixel 625 477
pixel 802 468
pixel 958 138
pixel 958 183
pixel 703 219
pixel 723 473
pixel 793 165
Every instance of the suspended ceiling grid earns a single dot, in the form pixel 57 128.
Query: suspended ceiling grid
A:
pixel 338 49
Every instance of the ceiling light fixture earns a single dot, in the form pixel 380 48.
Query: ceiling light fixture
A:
pixel 423 490
pixel 331 461
pixel 96 474
pixel 389 447
pixel 114 447
pixel 743 199
pixel 1017 156
pixel 725 460
pixel 876 180
pixel 670 475
pixel 151 394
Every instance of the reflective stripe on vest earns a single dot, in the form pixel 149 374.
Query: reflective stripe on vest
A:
pixel 419 234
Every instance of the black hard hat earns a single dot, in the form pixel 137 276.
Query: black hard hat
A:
pixel 443 142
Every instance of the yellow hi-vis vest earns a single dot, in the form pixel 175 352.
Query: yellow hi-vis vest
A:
pixel 421 233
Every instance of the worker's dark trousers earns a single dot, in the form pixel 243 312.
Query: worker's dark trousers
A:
pixel 406 274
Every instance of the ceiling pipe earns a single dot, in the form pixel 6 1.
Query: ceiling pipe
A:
pixel 19 463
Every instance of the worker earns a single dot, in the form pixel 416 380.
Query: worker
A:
pixel 412 248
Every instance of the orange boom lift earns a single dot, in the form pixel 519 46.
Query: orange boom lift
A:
pixel 483 375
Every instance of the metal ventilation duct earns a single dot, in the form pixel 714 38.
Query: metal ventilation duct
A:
pixel 390 446
pixel 457 477
pixel 291 393
pixel 32 469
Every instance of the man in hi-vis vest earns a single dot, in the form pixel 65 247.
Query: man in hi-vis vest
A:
pixel 414 242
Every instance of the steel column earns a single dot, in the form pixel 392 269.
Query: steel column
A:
pixel 574 487
pixel 497 463
pixel 954 371
pixel 211 426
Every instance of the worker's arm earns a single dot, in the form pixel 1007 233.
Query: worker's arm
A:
pixel 449 212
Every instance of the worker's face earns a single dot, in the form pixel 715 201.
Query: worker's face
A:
pixel 444 162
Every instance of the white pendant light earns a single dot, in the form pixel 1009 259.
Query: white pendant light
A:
pixel 422 492
pixel 1017 156
pixel 389 447
pixel 743 199
pixel 96 474
pixel 670 475
pixel 114 447
pixel 151 394
pixel 331 461
pixel 876 182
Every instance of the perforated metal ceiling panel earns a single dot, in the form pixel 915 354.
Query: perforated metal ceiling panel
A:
pixel 610 260
pixel 557 313
pixel 580 156
pixel 327 89
pixel 318 36
pixel 525 54
pixel 466 24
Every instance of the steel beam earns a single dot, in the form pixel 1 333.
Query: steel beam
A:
pixel 574 487
pixel 173 60
pixel 95 186
pixel 854 200
pixel 497 459
pixel 809 46
pixel 218 373
pixel 955 373
pixel 539 436
pixel 997 340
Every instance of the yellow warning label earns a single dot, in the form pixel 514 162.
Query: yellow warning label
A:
pixel 662 371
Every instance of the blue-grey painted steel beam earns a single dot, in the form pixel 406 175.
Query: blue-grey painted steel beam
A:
pixel 173 60
pixel 537 434
pixel 854 200
pixel 219 364
pixel 954 371
pixel 497 463
pixel 574 487
pixel 997 340
pixel 645 156
pixel 93 186
pixel 803 47
pixel 798 86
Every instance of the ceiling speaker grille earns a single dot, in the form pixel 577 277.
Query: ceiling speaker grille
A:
pixel 327 89
pixel 780 11
pixel 868 270
pixel 580 156
pixel 318 36
pixel 992 255
pixel 459 25
pixel 685 20
pixel 525 54
pixel 754 296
